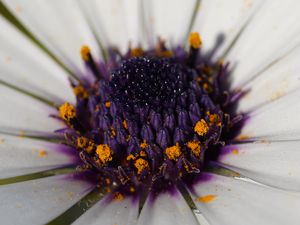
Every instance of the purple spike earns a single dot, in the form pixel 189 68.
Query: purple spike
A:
pixel 156 121
pixel 178 135
pixel 147 133
pixel 169 121
pixel 163 138
pixel 104 123
pixel 133 127
pixel 113 109
pixel 121 137
pixel 183 118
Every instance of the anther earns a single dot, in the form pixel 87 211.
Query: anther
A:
pixel 87 57
pixel 201 127
pixel 195 43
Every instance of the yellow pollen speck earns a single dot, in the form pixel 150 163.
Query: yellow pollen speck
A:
pixel 132 189
pixel 206 198
pixel 80 91
pixel 235 151
pixel 118 196
pixel 242 137
pixel 113 132
pixel 201 127
pixel 2 140
pixel 42 153
pixel 173 152
pixel 195 40
pixel 90 147
pixel 107 104
pixel 130 157
pixel 104 153
pixel 82 142
pixel 85 52
pixel 195 147
pixel 214 119
pixel 142 154
pixel 141 164
pixel 207 88
pixel 144 144
pixel 135 52
pixel 125 125
pixel 67 111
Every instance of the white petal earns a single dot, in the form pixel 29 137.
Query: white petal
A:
pixel 61 27
pixel 19 156
pixel 278 120
pixel 266 39
pixel 116 22
pixel 280 79
pixel 26 66
pixel 271 163
pixel 21 113
pixel 39 201
pixel 239 202
pixel 168 19
pixel 219 22
pixel 105 212
pixel 167 209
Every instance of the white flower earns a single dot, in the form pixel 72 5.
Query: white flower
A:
pixel 257 182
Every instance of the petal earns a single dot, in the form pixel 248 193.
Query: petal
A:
pixel 234 202
pixel 219 22
pixel 169 19
pixel 39 201
pixel 277 120
pixel 60 26
pixel 26 66
pixel 271 163
pixel 105 212
pixel 115 22
pixel 279 80
pixel 21 156
pixel 21 113
pixel 266 39
pixel 166 209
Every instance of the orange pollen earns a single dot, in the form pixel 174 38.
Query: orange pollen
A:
pixel 214 119
pixel 206 198
pixel 130 157
pixel 143 154
pixel 85 52
pixel 80 91
pixel 201 127
pixel 82 142
pixel 125 125
pixel 135 52
pixel 90 147
pixel 141 164
pixel 113 132
pixel 144 144
pixel 195 40
pixel 195 147
pixel 173 152
pixel 107 104
pixel 118 196
pixel 42 153
pixel 67 111
pixel 104 153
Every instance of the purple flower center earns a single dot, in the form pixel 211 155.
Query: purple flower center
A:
pixel 154 120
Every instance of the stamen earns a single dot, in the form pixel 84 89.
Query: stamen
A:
pixel 89 60
pixel 67 111
pixel 141 164
pixel 201 127
pixel 136 52
pixel 195 40
pixel 195 43
pixel 79 91
pixel 104 153
pixel 195 147
pixel 173 152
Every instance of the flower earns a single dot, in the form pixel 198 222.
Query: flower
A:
pixel 49 177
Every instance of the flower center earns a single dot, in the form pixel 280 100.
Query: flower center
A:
pixel 155 119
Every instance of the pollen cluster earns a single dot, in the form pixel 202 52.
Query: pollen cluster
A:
pixel 151 117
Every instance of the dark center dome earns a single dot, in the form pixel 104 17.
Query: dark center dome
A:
pixel 149 81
